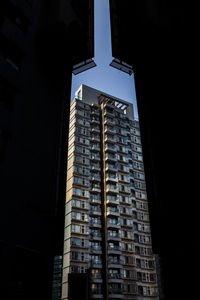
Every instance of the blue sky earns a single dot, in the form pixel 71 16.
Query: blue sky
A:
pixel 103 77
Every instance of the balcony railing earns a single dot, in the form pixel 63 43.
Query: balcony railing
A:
pixel 116 291
pixel 96 200
pixel 110 130
pixel 110 188
pixel 109 113
pixel 96 248
pixel 97 291
pixel 96 276
pixel 113 212
pixel 110 139
pixel 114 276
pixel 112 201
pixel 96 262
pixel 115 248
pixel 95 147
pixel 110 148
pixel 112 178
pixel 110 157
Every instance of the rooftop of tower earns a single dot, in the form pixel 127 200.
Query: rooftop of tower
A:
pixel 93 96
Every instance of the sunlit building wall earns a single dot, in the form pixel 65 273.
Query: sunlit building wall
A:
pixel 107 228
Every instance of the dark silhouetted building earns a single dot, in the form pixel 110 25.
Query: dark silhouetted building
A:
pixel 40 41
pixel 159 40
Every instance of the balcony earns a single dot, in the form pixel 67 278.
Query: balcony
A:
pixel 95 156
pixel 124 179
pixel 110 148
pixel 110 167
pixel 96 276
pixel 111 157
pixel 95 129
pixel 112 177
pixel 95 121
pixel 97 296
pixel 123 159
pixel 95 224
pixel 112 212
pixel 96 264
pixel 116 296
pixel 109 129
pixel 111 189
pixel 114 238
pixel 95 138
pixel 95 177
pixel 96 200
pixel 115 276
pixel 124 189
pixel 112 201
pixel 113 226
pixel 109 112
pixel 114 250
pixel 96 238
pixel 95 108
pixel 115 264
pixel 95 147
pixel 110 139
pixel 95 167
pixel 97 250
pixel 108 105
pixel 95 212
pixel 109 121
pixel 97 292
pixel 96 189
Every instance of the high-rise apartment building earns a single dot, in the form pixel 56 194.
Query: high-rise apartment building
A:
pixel 107 228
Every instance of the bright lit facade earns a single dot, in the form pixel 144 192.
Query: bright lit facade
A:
pixel 107 229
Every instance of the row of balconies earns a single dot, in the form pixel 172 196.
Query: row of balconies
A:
pixel 119 293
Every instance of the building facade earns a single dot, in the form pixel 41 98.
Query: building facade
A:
pixel 107 228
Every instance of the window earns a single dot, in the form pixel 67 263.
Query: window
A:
pixel 76 228
pixel 141 195
pixel 80 192
pixel 112 221
pixel 82 140
pixel 95 208
pixel 76 203
pixel 96 288
pixel 96 259
pixel 82 122
pixel 76 215
pixel 129 222
pixel 114 273
pixel 95 232
pixel 80 103
pixel 113 233
pixel 75 255
pixel 82 130
pixel 95 246
pixel 76 242
pixel 95 220
pixel 78 180
pixel 82 181
pixel 113 259
pixel 111 166
pixel 112 197
pixel 96 273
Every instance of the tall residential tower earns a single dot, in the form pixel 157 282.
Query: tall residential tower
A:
pixel 107 230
